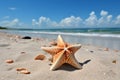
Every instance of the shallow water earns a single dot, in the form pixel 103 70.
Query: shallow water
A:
pixel 99 39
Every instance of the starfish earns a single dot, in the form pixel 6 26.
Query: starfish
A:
pixel 63 53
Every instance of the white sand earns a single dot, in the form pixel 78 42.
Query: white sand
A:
pixel 97 65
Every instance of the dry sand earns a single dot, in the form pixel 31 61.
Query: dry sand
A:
pixel 97 63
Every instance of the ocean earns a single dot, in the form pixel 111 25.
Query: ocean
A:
pixel 103 37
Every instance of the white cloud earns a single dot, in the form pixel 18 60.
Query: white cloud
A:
pixel 44 22
pixel 12 8
pixel 11 23
pixel 117 21
pixel 103 13
pixel 70 21
pixel 91 20
pixel 34 22
pixel 109 18
pixel 105 19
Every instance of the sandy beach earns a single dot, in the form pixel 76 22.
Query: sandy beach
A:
pixel 99 63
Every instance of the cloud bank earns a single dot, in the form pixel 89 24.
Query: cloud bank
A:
pixel 15 23
pixel 7 23
pixel 105 20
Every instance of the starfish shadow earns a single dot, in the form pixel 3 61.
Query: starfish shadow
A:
pixel 68 67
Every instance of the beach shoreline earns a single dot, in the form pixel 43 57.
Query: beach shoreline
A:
pixel 111 41
pixel 99 63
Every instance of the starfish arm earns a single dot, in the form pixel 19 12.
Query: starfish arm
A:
pixel 60 41
pixel 52 50
pixel 57 60
pixel 72 61
pixel 74 48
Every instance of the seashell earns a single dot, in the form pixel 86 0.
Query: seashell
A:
pixel 106 49
pixel 53 43
pixel 23 52
pixel 9 61
pixel 40 57
pixel 25 72
pixel 20 69
pixel 114 61
pixel 91 51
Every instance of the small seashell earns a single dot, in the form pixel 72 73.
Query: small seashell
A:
pixel 9 61
pixel 20 69
pixel 114 61
pixel 25 72
pixel 53 43
pixel 91 51
pixel 106 49
pixel 22 52
pixel 40 57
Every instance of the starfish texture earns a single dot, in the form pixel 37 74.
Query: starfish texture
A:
pixel 63 53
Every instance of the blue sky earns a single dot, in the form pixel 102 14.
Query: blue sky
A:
pixel 59 13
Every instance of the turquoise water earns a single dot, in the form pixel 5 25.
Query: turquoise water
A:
pixel 104 37
pixel 78 30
